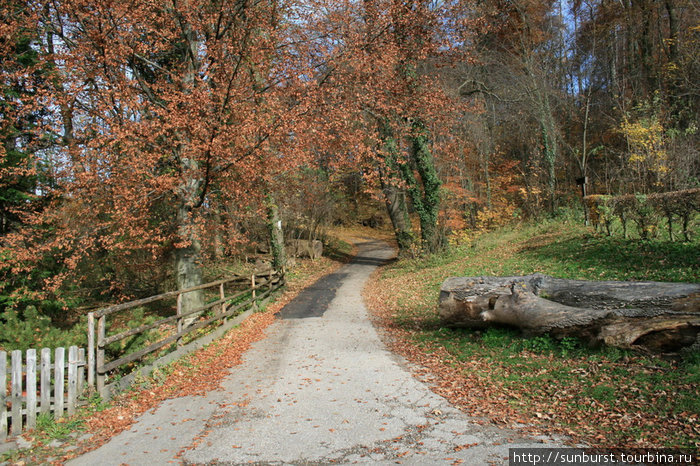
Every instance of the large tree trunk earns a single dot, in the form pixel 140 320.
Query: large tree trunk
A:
pixel 395 199
pixel 188 257
pixel 426 203
pixel 653 315
pixel 188 254
pixel 188 262
pixel 394 196
pixel 274 227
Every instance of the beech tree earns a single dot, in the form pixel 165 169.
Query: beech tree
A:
pixel 158 104
pixel 379 69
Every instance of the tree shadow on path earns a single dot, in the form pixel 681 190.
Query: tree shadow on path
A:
pixel 314 300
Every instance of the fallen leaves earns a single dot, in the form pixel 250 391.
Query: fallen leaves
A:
pixel 465 446
pixel 627 403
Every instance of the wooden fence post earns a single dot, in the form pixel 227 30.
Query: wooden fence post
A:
pixel 81 371
pixel 16 399
pixel 31 388
pixel 91 351
pixel 100 356
pixel 252 286
pixel 179 319
pixel 58 382
pixel 3 395
pixel 45 387
pixel 72 379
pixel 222 296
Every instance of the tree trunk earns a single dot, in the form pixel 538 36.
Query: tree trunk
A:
pixel 652 315
pixel 645 45
pixel 218 249
pixel 188 262
pixel 274 227
pixel 551 150
pixel 429 205
pixel 395 199
pixel 188 257
pixel 394 196
pixel 672 31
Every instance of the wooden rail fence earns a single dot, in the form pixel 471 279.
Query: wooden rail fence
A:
pixel 31 384
pixel 39 386
pixel 246 292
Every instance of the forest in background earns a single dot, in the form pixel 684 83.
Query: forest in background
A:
pixel 143 142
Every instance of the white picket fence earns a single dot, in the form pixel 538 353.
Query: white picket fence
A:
pixel 33 386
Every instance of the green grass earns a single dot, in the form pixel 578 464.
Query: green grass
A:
pixel 52 430
pixel 607 393
pixel 569 250
pixel 48 430
pixel 592 257
pixel 336 249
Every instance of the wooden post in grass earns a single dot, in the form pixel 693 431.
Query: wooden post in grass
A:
pixel 222 295
pixel 81 371
pixel 91 351
pixel 100 356
pixel 180 321
pixel 252 286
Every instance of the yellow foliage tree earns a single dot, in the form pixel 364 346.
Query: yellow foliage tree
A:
pixel 647 145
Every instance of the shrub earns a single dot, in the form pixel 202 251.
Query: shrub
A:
pixel 646 211
pixel 30 329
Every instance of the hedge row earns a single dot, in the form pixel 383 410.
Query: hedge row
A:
pixel 646 212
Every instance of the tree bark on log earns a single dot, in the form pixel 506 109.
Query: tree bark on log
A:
pixel 657 316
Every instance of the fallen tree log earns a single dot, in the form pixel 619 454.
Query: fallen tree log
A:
pixel 658 316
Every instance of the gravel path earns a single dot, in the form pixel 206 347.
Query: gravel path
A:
pixel 320 388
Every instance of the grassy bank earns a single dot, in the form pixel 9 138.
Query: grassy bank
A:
pixel 604 396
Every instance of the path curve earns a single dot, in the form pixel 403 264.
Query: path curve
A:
pixel 320 387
